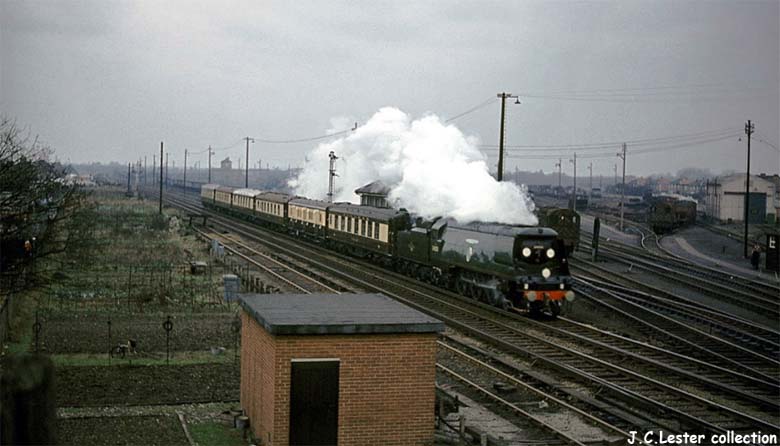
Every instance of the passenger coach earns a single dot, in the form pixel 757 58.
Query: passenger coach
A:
pixel 365 229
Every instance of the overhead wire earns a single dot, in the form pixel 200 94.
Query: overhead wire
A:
pixel 633 151
pixel 607 144
pixel 471 110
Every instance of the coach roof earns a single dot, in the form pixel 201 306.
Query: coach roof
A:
pixel 308 203
pixel 274 197
pixel 248 192
pixel 366 211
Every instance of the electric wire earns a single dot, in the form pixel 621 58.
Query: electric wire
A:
pixel 632 151
pixel 471 110
pixel 604 145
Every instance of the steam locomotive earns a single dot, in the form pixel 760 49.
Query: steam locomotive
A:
pixel 511 267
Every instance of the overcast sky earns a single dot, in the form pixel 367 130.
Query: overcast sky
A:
pixel 108 80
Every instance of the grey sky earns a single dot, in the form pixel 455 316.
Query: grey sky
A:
pixel 109 80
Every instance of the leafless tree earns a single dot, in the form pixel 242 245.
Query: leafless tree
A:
pixel 38 210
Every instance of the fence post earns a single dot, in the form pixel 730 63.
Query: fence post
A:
pixel 167 326
pixel 110 347
pixel 36 330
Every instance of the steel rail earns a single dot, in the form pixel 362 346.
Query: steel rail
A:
pixel 508 405
pixel 662 300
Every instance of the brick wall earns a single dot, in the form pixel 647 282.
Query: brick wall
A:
pixel 257 377
pixel 386 384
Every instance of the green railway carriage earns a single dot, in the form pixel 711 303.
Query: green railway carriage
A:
pixel 307 217
pixel 668 212
pixel 565 222
pixel 271 208
pixel 365 229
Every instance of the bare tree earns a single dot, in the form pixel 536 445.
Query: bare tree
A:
pixel 37 209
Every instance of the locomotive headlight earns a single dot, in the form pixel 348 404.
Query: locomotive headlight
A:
pixel 550 253
pixel 526 252
pixel 546 273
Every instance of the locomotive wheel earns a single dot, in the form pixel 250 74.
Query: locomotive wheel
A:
pixel 555 308
pixel 535 308
pixel 493 297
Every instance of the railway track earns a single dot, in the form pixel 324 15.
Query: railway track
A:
pixel 652 242
pixel 641 391
pixel 544 429
pixel 504 387
pixel 761 298
pixel 683 337
pixel 750 335
pixel 281 269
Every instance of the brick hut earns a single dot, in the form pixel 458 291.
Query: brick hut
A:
pixel 346 369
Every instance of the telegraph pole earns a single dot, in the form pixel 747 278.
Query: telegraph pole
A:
pixel 331 174
pixel 128 178
pixel 622 156
pixel 185 172
pixel 749 128
pixel 503 96
pixel 590 168
pixel 615 183
pixel 166 169
pixel 210 153
pixel 559 166
pixel 161 175
pixel 246 179
pixel 154 168
pixel 144 169
pixel 574 192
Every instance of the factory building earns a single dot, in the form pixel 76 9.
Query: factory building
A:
pixel 337 369
pixel 725 199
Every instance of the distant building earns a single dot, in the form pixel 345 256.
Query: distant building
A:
pixel 725 199
pixel 226 164
pixel 374 194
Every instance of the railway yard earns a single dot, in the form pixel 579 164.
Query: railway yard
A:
pixel 653 343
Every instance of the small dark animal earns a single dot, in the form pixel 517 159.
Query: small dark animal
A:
pixel 123 349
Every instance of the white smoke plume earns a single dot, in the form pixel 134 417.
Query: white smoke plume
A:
pixel 432 169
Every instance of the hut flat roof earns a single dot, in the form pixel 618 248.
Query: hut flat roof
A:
pixel 321 314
